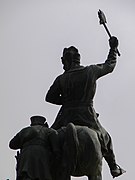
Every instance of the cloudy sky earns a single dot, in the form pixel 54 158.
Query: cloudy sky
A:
pixel 33 34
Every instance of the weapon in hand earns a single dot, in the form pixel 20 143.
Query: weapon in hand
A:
pixel 103 21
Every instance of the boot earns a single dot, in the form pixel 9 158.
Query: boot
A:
pixel 116 171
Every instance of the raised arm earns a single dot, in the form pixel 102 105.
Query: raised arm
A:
pixel 109 65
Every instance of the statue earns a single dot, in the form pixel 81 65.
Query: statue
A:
pixel 76 142
pixel 75 90
pixel 38 146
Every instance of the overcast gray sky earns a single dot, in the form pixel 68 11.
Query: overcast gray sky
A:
pixel 33 34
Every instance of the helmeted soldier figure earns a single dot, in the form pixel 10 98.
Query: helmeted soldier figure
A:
pixel 37 143
pixel 75 90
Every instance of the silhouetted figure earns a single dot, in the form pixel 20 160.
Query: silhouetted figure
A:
pixel 38 144
pixel 75 90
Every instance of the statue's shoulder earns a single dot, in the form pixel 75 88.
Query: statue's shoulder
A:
pixel 25 129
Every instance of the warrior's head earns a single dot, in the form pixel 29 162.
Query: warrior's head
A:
pixel 70 56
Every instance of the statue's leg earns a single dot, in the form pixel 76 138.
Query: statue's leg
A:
pixel 109 154
pixel 65 177
pixel 89 177
pixel 97 177
pixel 24 176
pixel 107 147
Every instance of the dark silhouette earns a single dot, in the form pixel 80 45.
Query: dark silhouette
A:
pixel 81 153
pixel 38 146
pixel 75 90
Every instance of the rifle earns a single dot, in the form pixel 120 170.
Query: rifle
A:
pixel 17 157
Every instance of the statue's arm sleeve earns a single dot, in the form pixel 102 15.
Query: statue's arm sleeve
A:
pixel 15 142
pixel 108 66
pixel 54 93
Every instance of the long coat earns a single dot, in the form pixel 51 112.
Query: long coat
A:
pixel 37 144
pixel 75 90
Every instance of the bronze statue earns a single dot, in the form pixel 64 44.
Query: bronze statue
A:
pixel 75 90
pixel 38 146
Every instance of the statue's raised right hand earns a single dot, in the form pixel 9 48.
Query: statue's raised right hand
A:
pixel 113 42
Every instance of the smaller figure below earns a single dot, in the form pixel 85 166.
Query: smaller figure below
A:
pixel 37 144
